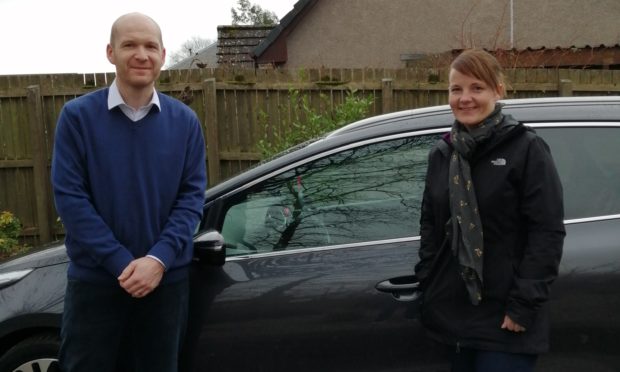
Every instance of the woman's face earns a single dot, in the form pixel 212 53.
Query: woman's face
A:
pixel 471 100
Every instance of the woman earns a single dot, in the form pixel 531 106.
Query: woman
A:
pixel 492 229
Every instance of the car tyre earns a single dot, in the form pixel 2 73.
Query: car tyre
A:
pixel 34 354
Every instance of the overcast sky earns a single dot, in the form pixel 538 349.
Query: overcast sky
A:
pixel 59 36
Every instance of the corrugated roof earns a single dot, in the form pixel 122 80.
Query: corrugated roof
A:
pixel 601 56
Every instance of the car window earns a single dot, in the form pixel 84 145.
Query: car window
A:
pixel 589 167
pixel 368 193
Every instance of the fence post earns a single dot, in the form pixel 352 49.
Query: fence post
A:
pixel 211 132
pixel 565 88
pixel 387 95
pixel 39 161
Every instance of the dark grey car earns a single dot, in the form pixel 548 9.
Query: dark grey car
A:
pixel 305 262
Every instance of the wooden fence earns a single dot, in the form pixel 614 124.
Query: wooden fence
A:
pixel 234 106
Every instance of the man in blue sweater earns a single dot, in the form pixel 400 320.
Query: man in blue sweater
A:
pixel 128 174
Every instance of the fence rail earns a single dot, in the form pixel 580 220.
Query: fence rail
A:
pixel 233 106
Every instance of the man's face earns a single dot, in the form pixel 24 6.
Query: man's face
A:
pixel 137 53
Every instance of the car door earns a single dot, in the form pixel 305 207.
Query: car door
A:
pixel 310 251
pixel 585 306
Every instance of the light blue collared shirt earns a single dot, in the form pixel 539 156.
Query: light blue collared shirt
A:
pixel 115 99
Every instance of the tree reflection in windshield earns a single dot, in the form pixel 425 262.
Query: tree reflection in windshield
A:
pixel 368 193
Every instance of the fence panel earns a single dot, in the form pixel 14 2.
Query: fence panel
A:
pixel 237 108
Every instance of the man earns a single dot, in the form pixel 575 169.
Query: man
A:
pixel 128 174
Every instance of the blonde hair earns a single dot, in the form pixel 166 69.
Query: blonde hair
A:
pixel 481 65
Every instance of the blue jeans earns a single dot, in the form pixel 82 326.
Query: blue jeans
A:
pixel 104 329
pixel 471 360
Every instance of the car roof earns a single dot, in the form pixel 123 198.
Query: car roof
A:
pixel 524 109
pixel 529 110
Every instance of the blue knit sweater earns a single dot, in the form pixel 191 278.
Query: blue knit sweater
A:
pixel 127 189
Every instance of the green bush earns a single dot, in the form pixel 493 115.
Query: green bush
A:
pixel 307 123
pixel 10 228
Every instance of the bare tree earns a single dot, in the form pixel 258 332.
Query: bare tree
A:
pixel 190 48
pixel 252 14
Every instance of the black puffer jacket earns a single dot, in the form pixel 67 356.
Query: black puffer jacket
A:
pixel 520 201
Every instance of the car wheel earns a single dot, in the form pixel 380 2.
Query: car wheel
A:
pixel 34 354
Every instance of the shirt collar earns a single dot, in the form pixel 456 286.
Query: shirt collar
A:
pixel 115 99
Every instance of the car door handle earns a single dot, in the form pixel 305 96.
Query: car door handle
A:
pixel 402 288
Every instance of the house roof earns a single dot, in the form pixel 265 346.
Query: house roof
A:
pixel 273 48
pixel 205 57
pixel 236 43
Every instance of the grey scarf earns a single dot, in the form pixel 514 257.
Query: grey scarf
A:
pixel 465 227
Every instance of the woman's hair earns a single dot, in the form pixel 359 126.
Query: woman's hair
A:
pixel 480 65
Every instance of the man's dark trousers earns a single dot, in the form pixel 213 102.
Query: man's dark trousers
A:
pixel 104 329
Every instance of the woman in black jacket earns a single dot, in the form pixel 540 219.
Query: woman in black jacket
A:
pixel 492 229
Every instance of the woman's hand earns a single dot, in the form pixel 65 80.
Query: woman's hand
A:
pixel 510 325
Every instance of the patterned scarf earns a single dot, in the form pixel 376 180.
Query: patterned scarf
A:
pixel 465 227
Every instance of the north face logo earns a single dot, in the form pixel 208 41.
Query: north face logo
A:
pixel 499 162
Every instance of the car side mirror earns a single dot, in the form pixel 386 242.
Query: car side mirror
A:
pixel 209 248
